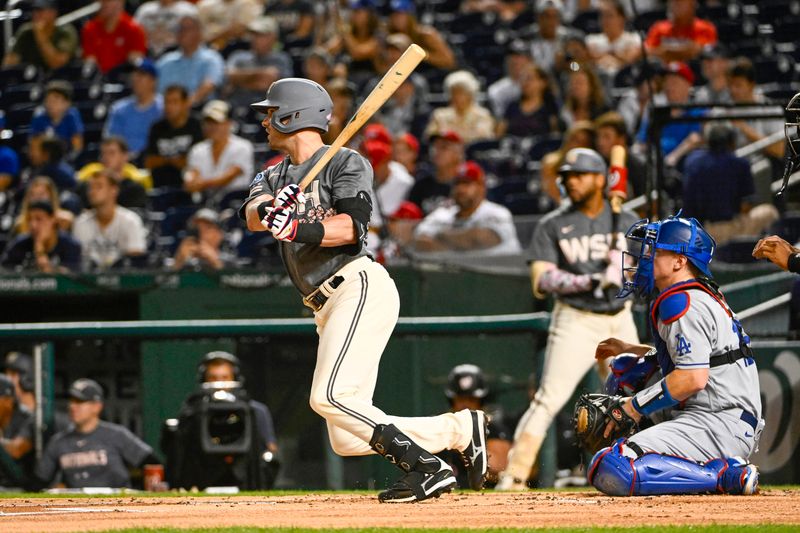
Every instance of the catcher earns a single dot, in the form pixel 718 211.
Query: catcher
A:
pixel 709 388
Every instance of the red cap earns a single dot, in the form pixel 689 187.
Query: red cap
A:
pixel 377 132
pixel 377 152
pixel 408 211
pixel 469 172
pixel 681 69
pixel 411 141
pixel 448 135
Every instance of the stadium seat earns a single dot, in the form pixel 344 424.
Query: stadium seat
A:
pixel 175 219
pixel 164 198
pixel 233 199
pixel 254 246
pixel 737 250
pixel 788 227
pixel 543 146
pixel 779 68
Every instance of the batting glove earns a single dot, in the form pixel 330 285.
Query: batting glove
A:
pixel 290 197
pixel 281 222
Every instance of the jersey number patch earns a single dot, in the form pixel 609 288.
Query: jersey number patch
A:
pixel 683 347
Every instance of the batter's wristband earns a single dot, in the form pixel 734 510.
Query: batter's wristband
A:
pixel 794 263
pixel 262 209
pixel 310 233
pixel 650 401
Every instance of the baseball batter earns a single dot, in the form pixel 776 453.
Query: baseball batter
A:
pixel 710 384
pixel 322 233
pixel 573 259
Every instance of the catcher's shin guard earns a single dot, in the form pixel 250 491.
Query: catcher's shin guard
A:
pixel 617 471
pixel 427 476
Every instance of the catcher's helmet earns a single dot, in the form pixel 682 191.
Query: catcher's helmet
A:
pixel 298 103
pixel 466 380
pixel 791 129
pixel 219 356
pixel 583 160
pixel 684 236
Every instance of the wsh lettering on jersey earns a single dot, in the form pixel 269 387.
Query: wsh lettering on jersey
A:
pixel 588 247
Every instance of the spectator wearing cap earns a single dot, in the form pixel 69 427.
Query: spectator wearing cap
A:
pixel 223 161
pixel 44 248
pixel 131 117
pixel 115 159
pixel 224 21
pixel 742 86
pixel 471 121
pixel 392 181
pixel 718 174
pixel 403 19
pixel 318 65
pixel 171 138
pixel 93 453
pixel 549 34
pixel 535 112
pixel 614 47
pixel 610 131
pixel 406 152
pixel 59 117
pixel 508 89
pixel 112 37
pixel 46 155
pixel 682 36
pixel 356 40
pixel 433 183
pixel 108 232
pixel 41 42
pixel 677 138
pixel 295 20
pixel 714 63
pixel 584 97
pixel 159 19
pixel 471 224
pixel 194 66
pixel 16 438
pixel 250 71
pixel 407 109
pixel 42 188
pixel 202 247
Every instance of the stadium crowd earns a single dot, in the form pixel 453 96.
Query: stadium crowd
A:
pixel 128 140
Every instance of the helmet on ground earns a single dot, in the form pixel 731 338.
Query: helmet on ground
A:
pixel 683 236
pixel 466 380
pixel 298 103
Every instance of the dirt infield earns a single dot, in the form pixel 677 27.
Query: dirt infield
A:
pixel 534 509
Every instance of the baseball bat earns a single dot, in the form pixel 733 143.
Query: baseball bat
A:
pixel 618 187
pixel 393 78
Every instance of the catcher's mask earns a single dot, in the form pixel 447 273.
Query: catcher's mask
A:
pixel 791 129
pixel 684 236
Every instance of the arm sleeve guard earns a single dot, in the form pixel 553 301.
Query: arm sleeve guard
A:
pixel 359 207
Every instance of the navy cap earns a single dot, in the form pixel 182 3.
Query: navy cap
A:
pixel 44 4
pixel 403 6
pixel 6 387
pixel 86 390
pixel 147 66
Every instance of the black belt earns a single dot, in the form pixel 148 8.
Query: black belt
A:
pixel 750 418
pixel 610 312
pixel 731 356
pixel 317 299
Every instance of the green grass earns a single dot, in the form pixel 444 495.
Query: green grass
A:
pixel 761 528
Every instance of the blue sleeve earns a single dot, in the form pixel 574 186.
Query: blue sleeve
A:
pixel 641 135
pixel 114 125
pixel 215 69
pixel 77 123
pixel 9 161
pixel 39 123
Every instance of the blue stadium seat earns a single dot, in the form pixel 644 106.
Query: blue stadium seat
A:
pixel 164 198
pixel 543 146
pixel 233 199
pixel 175 220
pixel 253 246
pixel 737 250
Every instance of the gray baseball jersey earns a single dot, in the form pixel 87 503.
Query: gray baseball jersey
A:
pixel 703 331
pixel 97 459
pixel 578 244
pixel 347 175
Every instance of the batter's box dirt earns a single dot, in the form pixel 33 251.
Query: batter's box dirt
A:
pixel 461 510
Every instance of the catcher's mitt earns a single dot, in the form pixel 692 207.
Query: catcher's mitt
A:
pixel 592 414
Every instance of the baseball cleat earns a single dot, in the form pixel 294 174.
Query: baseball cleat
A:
pixel 740 477
pixel 508 483
pixel 475 455
pixel 417 486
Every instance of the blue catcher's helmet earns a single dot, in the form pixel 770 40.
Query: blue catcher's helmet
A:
pixel 684 236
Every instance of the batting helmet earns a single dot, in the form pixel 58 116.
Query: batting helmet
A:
pixel 219 356
pixel 583 160
pixel 466 380
pixel 298 103
pixel 683 236
pixel 22 364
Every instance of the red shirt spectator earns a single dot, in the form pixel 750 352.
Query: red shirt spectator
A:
pixel 112 37
pixel 682 37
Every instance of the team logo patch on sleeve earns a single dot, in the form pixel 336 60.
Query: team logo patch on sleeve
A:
pixel 683 347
